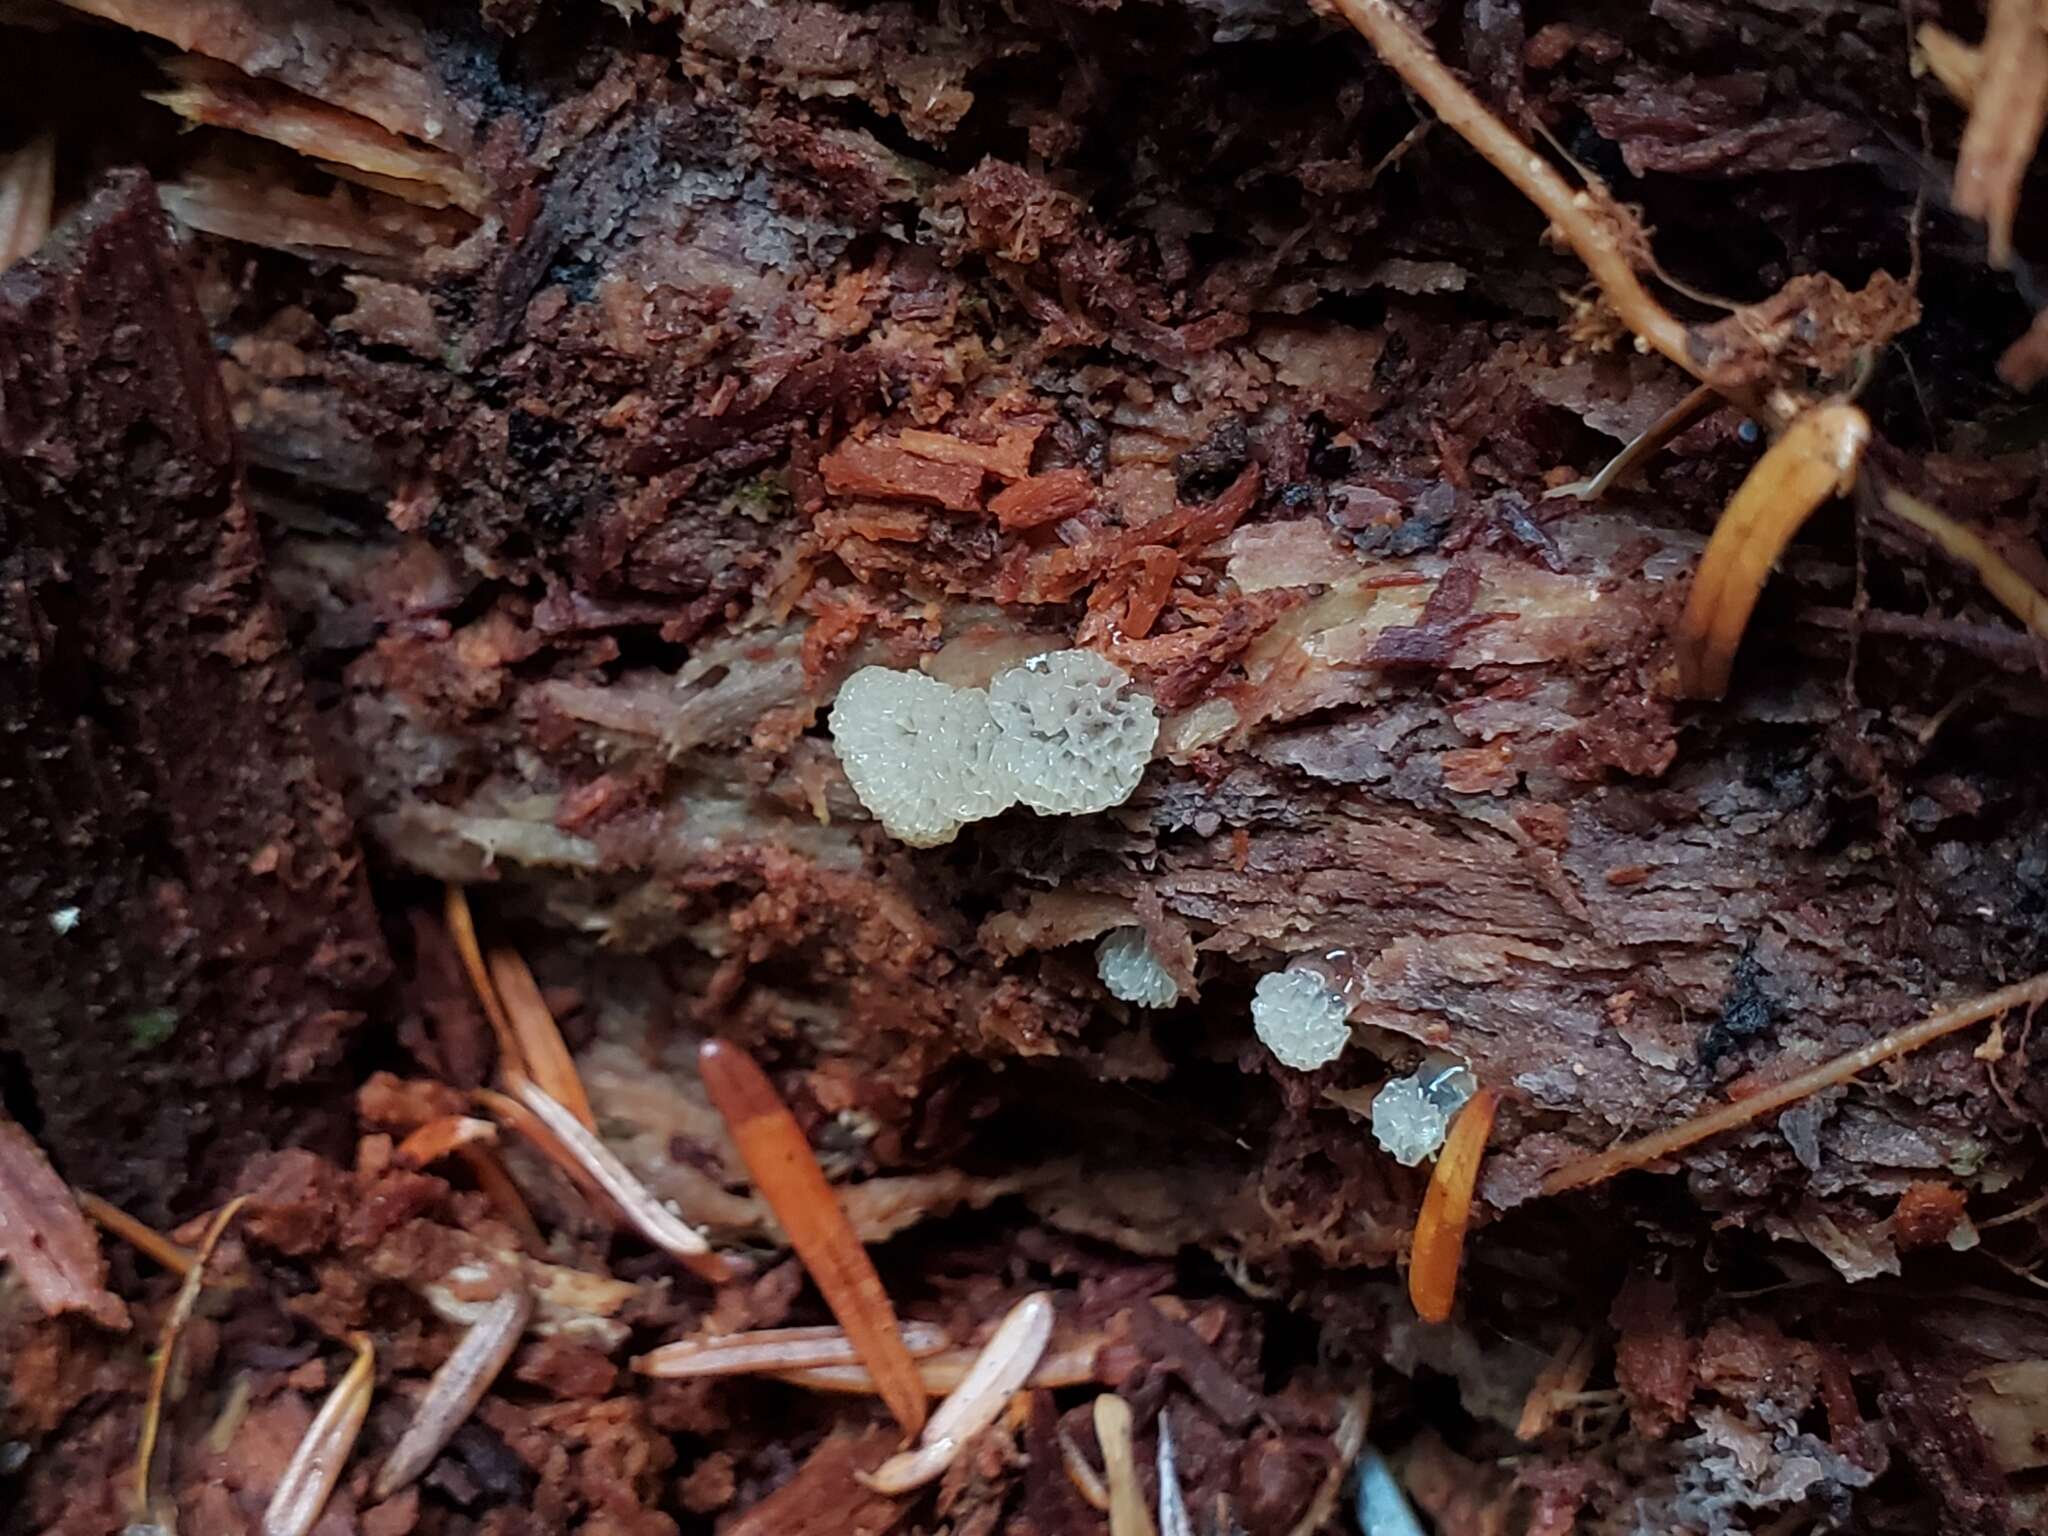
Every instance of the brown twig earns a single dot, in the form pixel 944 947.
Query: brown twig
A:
pixel 2011 650
pixel 1600 232
pixel 1728 1117
pixel 166 1351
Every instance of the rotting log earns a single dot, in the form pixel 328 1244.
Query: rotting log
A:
pixel 726 380
pixel 187 935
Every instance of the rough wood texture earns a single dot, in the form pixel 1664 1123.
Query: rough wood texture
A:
pixel 187 934
pixel 787 339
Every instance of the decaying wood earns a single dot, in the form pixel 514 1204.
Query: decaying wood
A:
pixel 150 701
pixel 613 383
pixel 46 1240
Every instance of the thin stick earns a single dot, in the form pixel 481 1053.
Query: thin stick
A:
pixel 1588 219
pixel 175 1257
pixel 786 1175
pixel 1728 1117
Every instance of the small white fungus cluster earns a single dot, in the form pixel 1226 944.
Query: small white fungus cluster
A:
pixel 1132 972
pixel 1057 733
pixel 1072 744
pixel 920 754
pixel 1303 1020
pixel 1411 1114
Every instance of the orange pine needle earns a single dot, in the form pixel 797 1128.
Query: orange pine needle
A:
pixel 1815 459
pixel 1727 1117
pixel 462 928
pixel 786 1174
pixel 1439 1246
pixel 437 1138
pixel 541 1046
pixel 175 1257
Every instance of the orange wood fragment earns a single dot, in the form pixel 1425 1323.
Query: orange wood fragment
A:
pixel 437 1138
pixel 786 1174
pixel 1439 1246
pixel 1157 567
pixel 886 470
pixel 1008 458
pixel 541 1045
pixel 1046 498
pixel 1219 517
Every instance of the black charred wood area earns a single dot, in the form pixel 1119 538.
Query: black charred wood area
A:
pixel 473 443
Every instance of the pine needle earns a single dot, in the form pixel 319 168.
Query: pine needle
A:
pixel 1439 1247
pixel 1815 459
pixel 541 1046
pixel 308 1481
pixel 786 1175
pixel 462 928
pixel 2001 579
pixel 175 1257
pixel 166 1352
